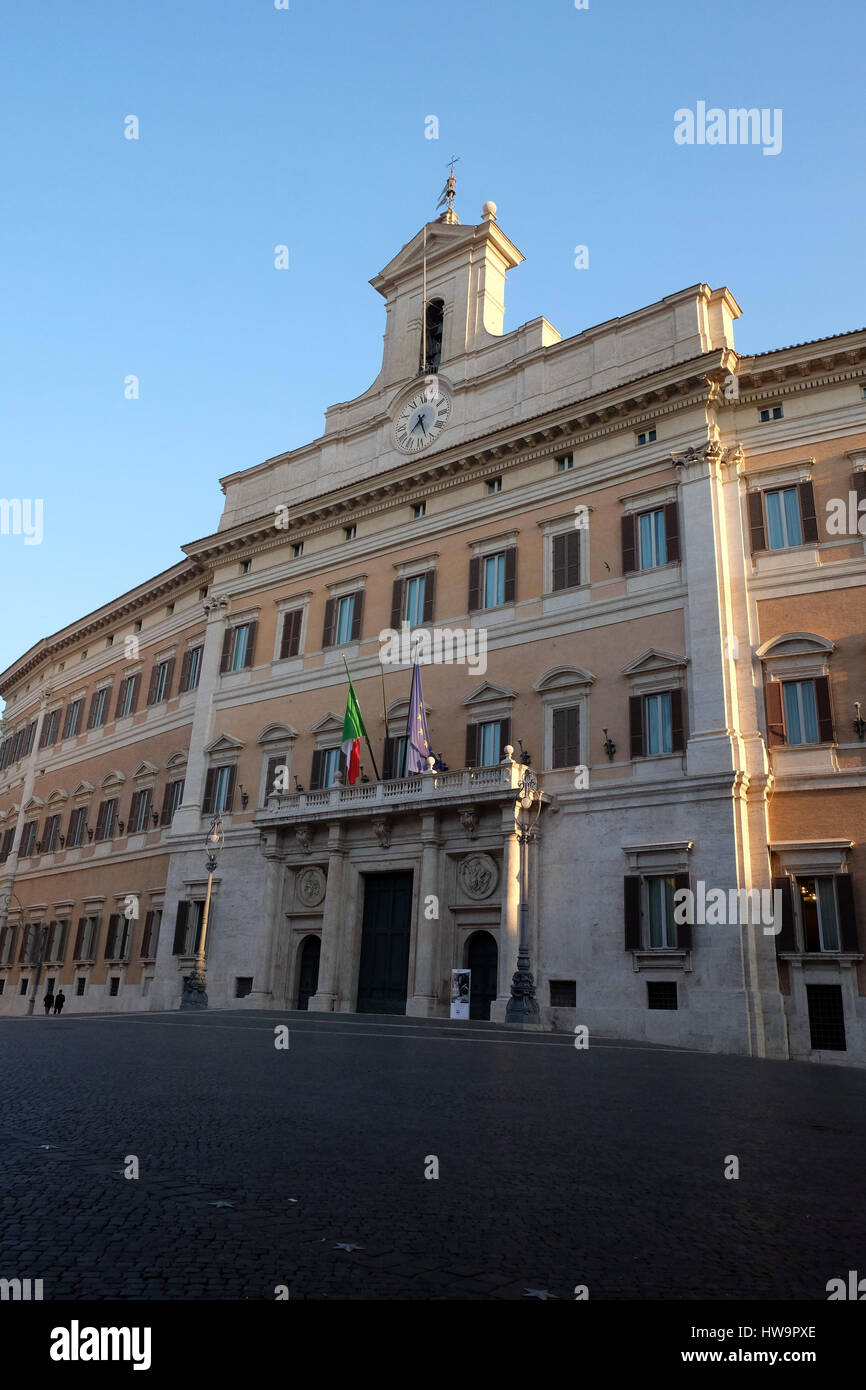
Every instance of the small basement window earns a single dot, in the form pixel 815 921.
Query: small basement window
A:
pixel 243 986
pixel 661 994
pixel 563 994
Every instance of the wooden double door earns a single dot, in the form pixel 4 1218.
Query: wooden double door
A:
pixel 383 974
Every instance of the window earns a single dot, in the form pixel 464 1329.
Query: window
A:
pixel 51 835
pixel 485 742
pixel 660 910
pixel 80 985
pixel 661 994
pixel 494 485
pixel 98 712
pixel 28 840
pixel 105 818
pixel 243 986
pixel 566 560
pixel 563 994
pixel 245 566
pixel 31 940
pixel 22 988
pixel 77 823
pixel 819 914
pixel 119 937
pixel 770 412
pixel 169 609
pixel 150 935
pixel 566 736
pixel 127 696
pixel 419 509
pixel 394 763
pixel 6 844
pixel 136 627
pixel 412 599
pixel 187 929
pixel 114 984
pixel 782 517
pixel 431 336
pixel 826 1017
pixel 350 532
pixel 343 617
pixel 170 801
pixel 564 463
pixel 799 712
pixel 139 811
pixel 50 729
pixel 645 437
pixel 276 777
pixel 86 938
pixel 650 538
pixel 219 790
pixel 656 723
pixel 190 669
pixel 238 647
pixel 160 682
pixel 55 949
pixel 72 721
pixel 326 762
pixel 649 913
pixel 7 945
pixel 290 638
pixel 297 550
pixel 494 580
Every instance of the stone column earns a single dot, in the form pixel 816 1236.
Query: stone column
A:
pixel 187 818
pixel 509 931
pixel 427 927
pixel 324 1000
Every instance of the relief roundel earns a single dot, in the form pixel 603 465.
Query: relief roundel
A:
pixel 478 875
pixel 311 887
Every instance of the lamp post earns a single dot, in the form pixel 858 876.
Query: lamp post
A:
pixel 522 1008
pixel 195 984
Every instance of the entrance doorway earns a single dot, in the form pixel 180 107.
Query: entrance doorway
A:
pixel 308 973
pixel 384 969
pixel 482 958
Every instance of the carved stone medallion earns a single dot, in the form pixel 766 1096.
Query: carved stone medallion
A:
pixel 310 887
pixel 478 875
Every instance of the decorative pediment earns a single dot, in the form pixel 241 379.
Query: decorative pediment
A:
pixel 57 797
pixel 488 691
pixel 178 759
pixel 328 724
pixel 563 678
pixel 82 789
pixel 796 644
pixel 277 733
pixel 652 661
pixel 34 804
pixel 113 779
pixel 146 769
pixel 225 743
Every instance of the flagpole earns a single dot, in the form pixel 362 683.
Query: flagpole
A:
pixel 366 735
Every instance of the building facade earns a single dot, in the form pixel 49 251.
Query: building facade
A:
pixel 633 556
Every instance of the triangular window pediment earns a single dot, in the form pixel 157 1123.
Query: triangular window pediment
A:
pixel 328 724
pixel 83 789
pixel 34 804
pixel 59 795
pixel 488 691
pixel 653 660
pixel 113 779
pixel 146 769
pixel 225 743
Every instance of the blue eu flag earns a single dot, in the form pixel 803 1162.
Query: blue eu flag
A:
pixel 418 750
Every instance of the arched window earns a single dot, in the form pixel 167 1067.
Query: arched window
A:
pixel 431 337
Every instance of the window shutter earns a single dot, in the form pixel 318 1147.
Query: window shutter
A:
pixel 756 521
pixel 151 689
pixel 504 737
pixel 43 737
pixel 186 663
pixel 629 544
pixel 100 820
pixel 635 716
pixel 683 929
pixel 560 571
pixel 672 530
pixel 388 759
pixel 228 647
pixel 317 769
pixel 775 717
pixel 209 790
pixel 169 678
pixel 330 623
pixel 860 486
pixel 785 940
pixel 677 729
pixel 271 776
pixel 357 615
pixel 136 685
pixel 474 584
pixel 807 513
pixel 165 814
pixel 79 937
pixel 91 714
pixel 290 643
pixel 566 740
pixel 473 732
pixel 230 790
pixel 145 939
pixel 631 885
pixel 67 721
pixel 825 714
pixel 429 595
pixel 120 692
pixel 110 942
pixel 179 947
pixel 133 810
pixel 847 917
pixel 249 659
pixel 396 604
pixel 510 574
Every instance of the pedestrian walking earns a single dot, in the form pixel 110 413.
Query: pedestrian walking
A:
pixel 59 1001
pixel 48 1000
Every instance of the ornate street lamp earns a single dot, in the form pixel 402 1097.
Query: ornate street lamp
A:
pixel 522 1007
pixel 195 984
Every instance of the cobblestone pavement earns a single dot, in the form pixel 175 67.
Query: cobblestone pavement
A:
pixel 557 1166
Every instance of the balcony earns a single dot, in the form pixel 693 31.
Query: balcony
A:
pixel 425 792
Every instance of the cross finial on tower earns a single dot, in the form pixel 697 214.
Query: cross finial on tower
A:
pixel 446 198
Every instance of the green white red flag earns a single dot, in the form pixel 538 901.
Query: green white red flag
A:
pixel 353 730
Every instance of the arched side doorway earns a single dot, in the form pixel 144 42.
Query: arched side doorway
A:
pixel 308 972
pixel 482 958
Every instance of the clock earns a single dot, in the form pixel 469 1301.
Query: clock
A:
pixel 422 419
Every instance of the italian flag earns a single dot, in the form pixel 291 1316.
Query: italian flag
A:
pixel 353 728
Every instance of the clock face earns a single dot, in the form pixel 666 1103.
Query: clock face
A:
pixel 422 419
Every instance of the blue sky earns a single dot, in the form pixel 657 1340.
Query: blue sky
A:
pixel 305 127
